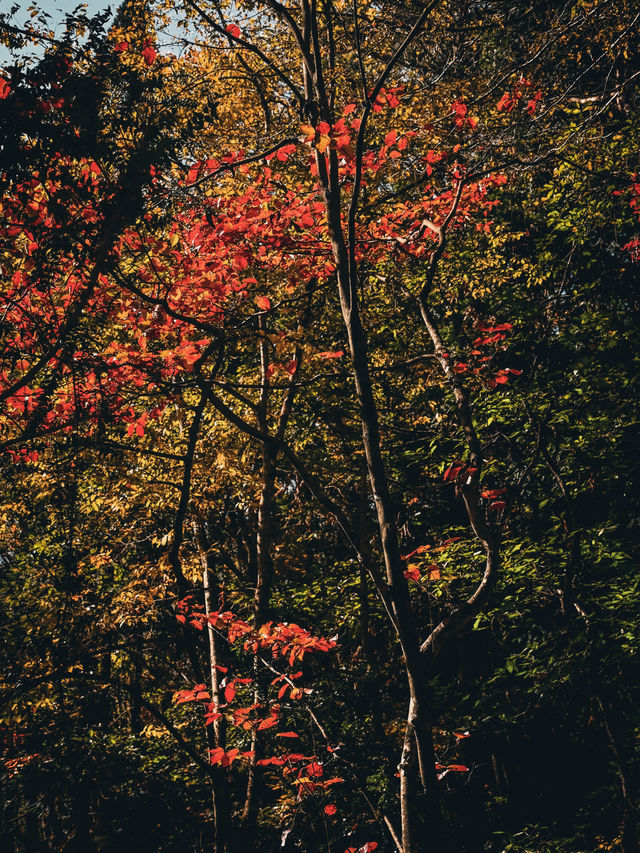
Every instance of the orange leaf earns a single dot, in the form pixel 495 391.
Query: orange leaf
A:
pixel 323 143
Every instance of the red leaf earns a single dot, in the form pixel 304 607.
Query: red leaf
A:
pixel 229 693
pixel 263 303
pixel 458 768
pixel 493 493
pixel 216 755
pixel 419 550
pixel 282 154
pixel 193 173
pixel 121 47
pixel 326 355
pixel 452 472
pixel 505 103
pixel 287 734
pixel 330 809
pixel 149 54
pixel 234 30
pixel 219 756
pixel 5 88
pixel 412 573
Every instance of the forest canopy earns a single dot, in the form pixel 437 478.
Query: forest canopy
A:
pixel 320 522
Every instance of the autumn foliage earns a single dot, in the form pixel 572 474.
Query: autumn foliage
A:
pixel 319 427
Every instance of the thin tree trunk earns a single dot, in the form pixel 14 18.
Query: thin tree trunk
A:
pixel 348 288
pixel 264 574
pixel 262 595
pixel 216 734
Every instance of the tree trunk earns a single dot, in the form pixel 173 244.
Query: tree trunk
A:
pixel 216 734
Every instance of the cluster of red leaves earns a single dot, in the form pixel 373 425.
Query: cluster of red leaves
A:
pixel 461 474
pixel 514 97
pixel 432 569
pixel 44 279
pixel 495 497
pixel 633 247
pixel 287 640
pixel 461 115
pixel 198 694
pixel 337 136
pixel 634 201
pixel 387 97
pixel 491 335
pixel 148 52
pixel 412 572
pixel 404 224
pixel 204 266
pixel 15 765
pixel 283 640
